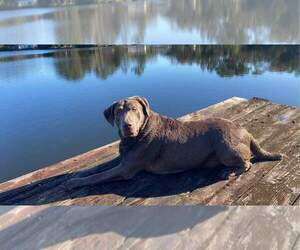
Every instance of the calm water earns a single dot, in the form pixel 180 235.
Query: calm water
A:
pixel 150 22
pixel 52 101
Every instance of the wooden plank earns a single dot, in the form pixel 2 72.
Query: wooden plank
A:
pixel 296 201
pixel 123 227
pixel 214 110
pixel 246 109
pixel 87 160
pixel 281 186
pixel 168 189
pixel 279 141
pixel 257 222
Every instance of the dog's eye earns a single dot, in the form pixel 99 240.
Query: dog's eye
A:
pixel 133 109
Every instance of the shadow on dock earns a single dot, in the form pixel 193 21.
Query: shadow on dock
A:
pixel 143 185
pixel 73 225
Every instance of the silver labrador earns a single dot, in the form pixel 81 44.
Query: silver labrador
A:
pixel 162 145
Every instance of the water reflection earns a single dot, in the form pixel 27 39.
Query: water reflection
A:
pixel 154 22
pixel 224 60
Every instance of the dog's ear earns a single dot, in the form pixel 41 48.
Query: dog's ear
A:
pixel 145 104
pixel 109 114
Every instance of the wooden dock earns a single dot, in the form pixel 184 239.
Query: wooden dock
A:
pixel 149 227
pixel 276 127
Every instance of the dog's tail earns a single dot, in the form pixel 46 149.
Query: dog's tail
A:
pixel 261 154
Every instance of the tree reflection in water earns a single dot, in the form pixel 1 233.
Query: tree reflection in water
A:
pixel 225 60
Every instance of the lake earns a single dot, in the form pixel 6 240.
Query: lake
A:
pixel 149 22
pixel 52 101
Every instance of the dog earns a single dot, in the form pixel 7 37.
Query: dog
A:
pixel 162 145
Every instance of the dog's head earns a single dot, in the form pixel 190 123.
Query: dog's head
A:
pixel 129 115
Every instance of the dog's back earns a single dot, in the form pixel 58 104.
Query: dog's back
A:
pixel 185 145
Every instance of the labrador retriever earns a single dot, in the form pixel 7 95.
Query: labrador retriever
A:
pixel 162 145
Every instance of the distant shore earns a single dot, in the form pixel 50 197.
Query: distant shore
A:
pixel 23 4
pixel 14 47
